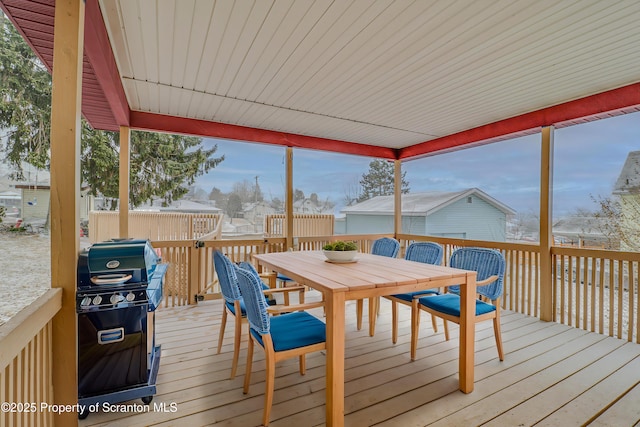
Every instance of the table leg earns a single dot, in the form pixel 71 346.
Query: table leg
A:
pixel 334 305
pixel 467 333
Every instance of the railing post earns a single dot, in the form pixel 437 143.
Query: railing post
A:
pixel 546 222
pixel 194 272
pixel 289 199
pixel 123 185
pixel 397 197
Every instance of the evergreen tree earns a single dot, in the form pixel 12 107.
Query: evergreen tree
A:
pixel 25 102
pixel 234 205
pixel 162 165
pixel 378 181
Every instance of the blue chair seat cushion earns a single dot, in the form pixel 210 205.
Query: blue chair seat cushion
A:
pixel 283 278
pixel 450 304
pixel 294 330
pixel 408 297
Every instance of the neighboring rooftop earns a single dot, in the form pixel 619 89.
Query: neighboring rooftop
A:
pixel 422 203
pixel 629 179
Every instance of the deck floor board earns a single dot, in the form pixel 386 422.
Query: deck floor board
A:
pixel 552 375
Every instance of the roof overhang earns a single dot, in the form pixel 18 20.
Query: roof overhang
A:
pixel 386 79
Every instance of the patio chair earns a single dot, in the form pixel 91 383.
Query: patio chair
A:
pixel 281 337
pixel 425 252
pixel 385 246
pixel 234 304
pixel 490 266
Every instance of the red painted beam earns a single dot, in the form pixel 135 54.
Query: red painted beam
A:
pixel 98 50
pixel 172 124
pixel 609 102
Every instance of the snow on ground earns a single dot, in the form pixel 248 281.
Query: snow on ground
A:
pixel 25 270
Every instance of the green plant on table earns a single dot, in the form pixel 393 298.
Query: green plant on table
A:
pixel 340 246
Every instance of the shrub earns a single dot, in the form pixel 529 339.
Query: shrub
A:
pixel 340 246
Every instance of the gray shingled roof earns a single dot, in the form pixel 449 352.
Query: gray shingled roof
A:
pixel 629 180
pixel 421 203
pixel 580 226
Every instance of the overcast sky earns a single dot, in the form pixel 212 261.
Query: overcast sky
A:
pixel 588 159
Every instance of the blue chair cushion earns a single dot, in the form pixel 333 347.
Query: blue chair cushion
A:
pixel 450 304
pixel 283 278
pixel 409 296
pixel 294 330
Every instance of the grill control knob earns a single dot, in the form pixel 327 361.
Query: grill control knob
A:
pixel 97 300
pixel 131 296
pixel 115 298
pixel 85 301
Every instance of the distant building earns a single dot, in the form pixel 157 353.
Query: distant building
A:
pixel 583 231
pixel 468 214
pixel 35 202
pixel 10 199
pixel 627 188
pixel 311 205
pixel 255 213
pixel 186 206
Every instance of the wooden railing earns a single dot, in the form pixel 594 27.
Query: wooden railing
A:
pixel 522 279
pixel 597 290
pixel 26 363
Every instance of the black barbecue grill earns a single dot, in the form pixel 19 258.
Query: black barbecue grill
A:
pixel 119 288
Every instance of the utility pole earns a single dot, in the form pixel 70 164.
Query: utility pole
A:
pixel 255 193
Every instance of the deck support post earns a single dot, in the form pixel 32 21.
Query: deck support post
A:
pixel 289 200
pixel 66 101
pixel 397 197
pixel 546 222
pixel 123 188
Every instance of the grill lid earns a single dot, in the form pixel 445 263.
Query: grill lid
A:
pixel 116 262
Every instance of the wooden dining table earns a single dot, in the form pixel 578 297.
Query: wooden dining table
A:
pixel 372 276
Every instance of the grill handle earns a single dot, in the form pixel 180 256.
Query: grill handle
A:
pixel 110 336
pixel 118 280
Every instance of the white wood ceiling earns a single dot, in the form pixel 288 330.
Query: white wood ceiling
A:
pixel 391 73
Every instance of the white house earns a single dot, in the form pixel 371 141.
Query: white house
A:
pixel 627 188
pixel 10 199
pixel 466 214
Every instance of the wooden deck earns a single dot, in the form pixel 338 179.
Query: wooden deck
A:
pixel 552 375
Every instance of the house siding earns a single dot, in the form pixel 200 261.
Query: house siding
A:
pixel 477 220
pixel 469 214
pixel 365 224
pixel 630 206
pixel 39 209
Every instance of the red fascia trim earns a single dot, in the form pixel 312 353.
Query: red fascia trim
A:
pixel 181 125
pixel 98 50
pixel 609 102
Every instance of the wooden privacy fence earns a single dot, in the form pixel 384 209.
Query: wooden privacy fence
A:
pixel 304 225
pixel 104 225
